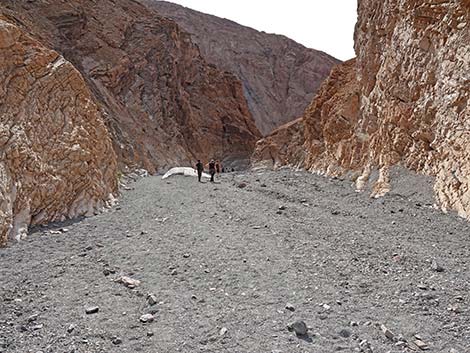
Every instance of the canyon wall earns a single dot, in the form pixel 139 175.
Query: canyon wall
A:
pixel 56 157
pixel 279 76
pixel 404 101
pixel 165 105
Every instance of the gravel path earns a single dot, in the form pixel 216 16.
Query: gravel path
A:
pixel 223 261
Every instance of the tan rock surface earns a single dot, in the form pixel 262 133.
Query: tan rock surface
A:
pixel 404 102
pixel 165 105
pixel 56 158
pixel 284 146
pixel 280 76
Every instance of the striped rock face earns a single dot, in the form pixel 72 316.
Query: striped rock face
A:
pixel 56 157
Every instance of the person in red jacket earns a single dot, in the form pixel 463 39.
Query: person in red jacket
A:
pixel 212 170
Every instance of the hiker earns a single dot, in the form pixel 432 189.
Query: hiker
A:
pixel 217 167
pixel 212 169
pixel 200 169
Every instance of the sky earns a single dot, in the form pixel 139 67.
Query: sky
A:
pixel 326 25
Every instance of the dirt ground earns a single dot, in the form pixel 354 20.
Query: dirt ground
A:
pixel 224 260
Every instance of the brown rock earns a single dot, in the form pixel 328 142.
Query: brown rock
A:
pixel 164 103
pixel 56 158
pixel 279 76
pixel 403 101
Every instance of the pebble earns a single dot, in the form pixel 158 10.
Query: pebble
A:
pixel 128 282
pixel 116 341
pixel 389 334
pixel 223 331
pixel 299 327
pixel 147 318
pixel 436 267
pixel 421 345
pixel 174 272
pixel 152 299
pixel 71 328
pixel 150 334
pixel 92 310
pixel 345 333
pixel 290 307
pixel 33 317
pixel 282 208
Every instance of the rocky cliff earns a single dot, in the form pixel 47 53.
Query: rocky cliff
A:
pixel 164 104
pixel 279 75
pixel 403 102
pixel 56 157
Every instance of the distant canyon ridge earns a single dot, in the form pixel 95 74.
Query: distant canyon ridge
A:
pixel 279 75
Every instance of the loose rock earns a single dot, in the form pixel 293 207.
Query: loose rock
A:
pixel 147 318
pixel 299 327
pixel 92 310
pixel 128 282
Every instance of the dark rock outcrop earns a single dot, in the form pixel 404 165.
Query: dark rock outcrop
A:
pixel 279 75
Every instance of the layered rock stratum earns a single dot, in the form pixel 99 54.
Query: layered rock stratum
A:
pixel 404 101
pixel 279 76
pixel 164 103
pixel 56 157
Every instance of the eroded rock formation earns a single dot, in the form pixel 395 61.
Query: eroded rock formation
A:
pixel 403 102
pixel 164 104
pixel 279 75
pixel 56 157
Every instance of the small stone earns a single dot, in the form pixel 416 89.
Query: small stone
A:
pixel 421 345
pixel 128 282
pixel 422 286
pixel 71 328
pixel 282 208
pixel 174 272
pixel 33 317
pixel 89 247
pixel 436 267
pixel 263 185
pixel 242 185
pixel 389 334
pixel 92 310
pixel 326 307
pixel 147 318
pixel 353 324
pixel 299 327
pixel 116 341
pixel 150 334
pixel 186 255
pixel 223 331
pixel 37 327
pixel 152 299
pixel 345 333
pixel 290 307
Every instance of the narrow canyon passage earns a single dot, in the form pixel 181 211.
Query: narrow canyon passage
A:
pixel 231 264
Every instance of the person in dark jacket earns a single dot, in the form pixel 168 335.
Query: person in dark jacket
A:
pixel 200 169
pixel 217 167
pixel 212 170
